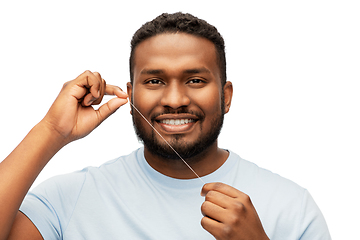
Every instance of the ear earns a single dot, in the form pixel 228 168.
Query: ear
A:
pixel 129 92
pixel 228 92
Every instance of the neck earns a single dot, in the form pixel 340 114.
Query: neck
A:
pixel 203 164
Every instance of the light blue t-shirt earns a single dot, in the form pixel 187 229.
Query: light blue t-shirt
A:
pixel 127 199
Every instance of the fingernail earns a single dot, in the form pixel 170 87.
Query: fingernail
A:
pixel 92 100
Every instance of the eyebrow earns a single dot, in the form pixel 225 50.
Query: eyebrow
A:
pixel 151 71
pixel 197 70
pixel 187 71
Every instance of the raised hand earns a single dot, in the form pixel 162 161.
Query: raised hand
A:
pixel 72 115
pixel 229 214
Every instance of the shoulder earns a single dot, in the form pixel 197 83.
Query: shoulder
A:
pixel 252 178
pixel 283 206
pixel 271 194
pixel 67 187
pixel 44 205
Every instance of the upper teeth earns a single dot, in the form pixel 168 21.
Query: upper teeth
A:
pixel 176 121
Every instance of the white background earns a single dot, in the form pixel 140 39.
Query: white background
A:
pixel 295 67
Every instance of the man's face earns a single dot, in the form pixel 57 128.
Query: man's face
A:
pixel 177 88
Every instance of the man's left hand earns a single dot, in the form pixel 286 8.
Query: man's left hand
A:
pixel 229 213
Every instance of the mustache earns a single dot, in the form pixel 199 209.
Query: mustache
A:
pixel 198 114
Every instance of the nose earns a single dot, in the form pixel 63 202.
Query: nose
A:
pixel 175 96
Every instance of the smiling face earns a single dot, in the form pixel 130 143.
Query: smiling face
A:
pixel 177 87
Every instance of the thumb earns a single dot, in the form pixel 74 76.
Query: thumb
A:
pixel 204 190
pixel 110 107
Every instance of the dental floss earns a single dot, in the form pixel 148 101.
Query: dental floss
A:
pixel 167 142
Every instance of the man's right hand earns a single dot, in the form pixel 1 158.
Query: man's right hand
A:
pixel 72 115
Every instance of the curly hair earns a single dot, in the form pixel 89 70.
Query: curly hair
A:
pixel 184 23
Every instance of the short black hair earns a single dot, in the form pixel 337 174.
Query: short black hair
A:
pixel 184 23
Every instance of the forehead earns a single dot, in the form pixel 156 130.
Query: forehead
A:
pixel 171 52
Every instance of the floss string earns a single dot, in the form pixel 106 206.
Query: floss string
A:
pixel 166 141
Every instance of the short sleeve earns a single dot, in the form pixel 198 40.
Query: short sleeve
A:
pixel 50 205
pixel 313 225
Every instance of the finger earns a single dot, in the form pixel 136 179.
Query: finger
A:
pixel 109 108
pixel 97 74
pixel 102 93
pixel 213 211
pixel 114 90
pixel 91 81
pixel 101 89
pixel 86 85
pixel 106 89
pixel 240 197
pixel 219 199
pixel 212 226
pixel 95 86
pixel 95 83
pixel 220 187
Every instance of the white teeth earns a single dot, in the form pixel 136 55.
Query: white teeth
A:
pixel 176 121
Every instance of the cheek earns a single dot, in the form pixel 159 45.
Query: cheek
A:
pixel 209 100
pixel 145 101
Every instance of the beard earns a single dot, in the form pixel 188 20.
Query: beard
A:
pixel 157 146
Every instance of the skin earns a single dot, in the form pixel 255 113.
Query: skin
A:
pixel 228 213
pixel 163 80
pixel 174 71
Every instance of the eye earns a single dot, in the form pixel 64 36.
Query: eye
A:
pixel 197 82
pixel 154 82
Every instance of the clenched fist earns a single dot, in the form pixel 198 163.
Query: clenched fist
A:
pixel 229 214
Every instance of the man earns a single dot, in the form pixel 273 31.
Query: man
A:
pixel 178 85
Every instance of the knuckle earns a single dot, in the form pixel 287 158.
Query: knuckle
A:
pixel 233 220
pixel 210 196
pixel 247 199
pixel 204 206
pixel 226 232
pixel 97 74
pixel 238 206
pixel 218 186
pixel 65 84
pixel 87 74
